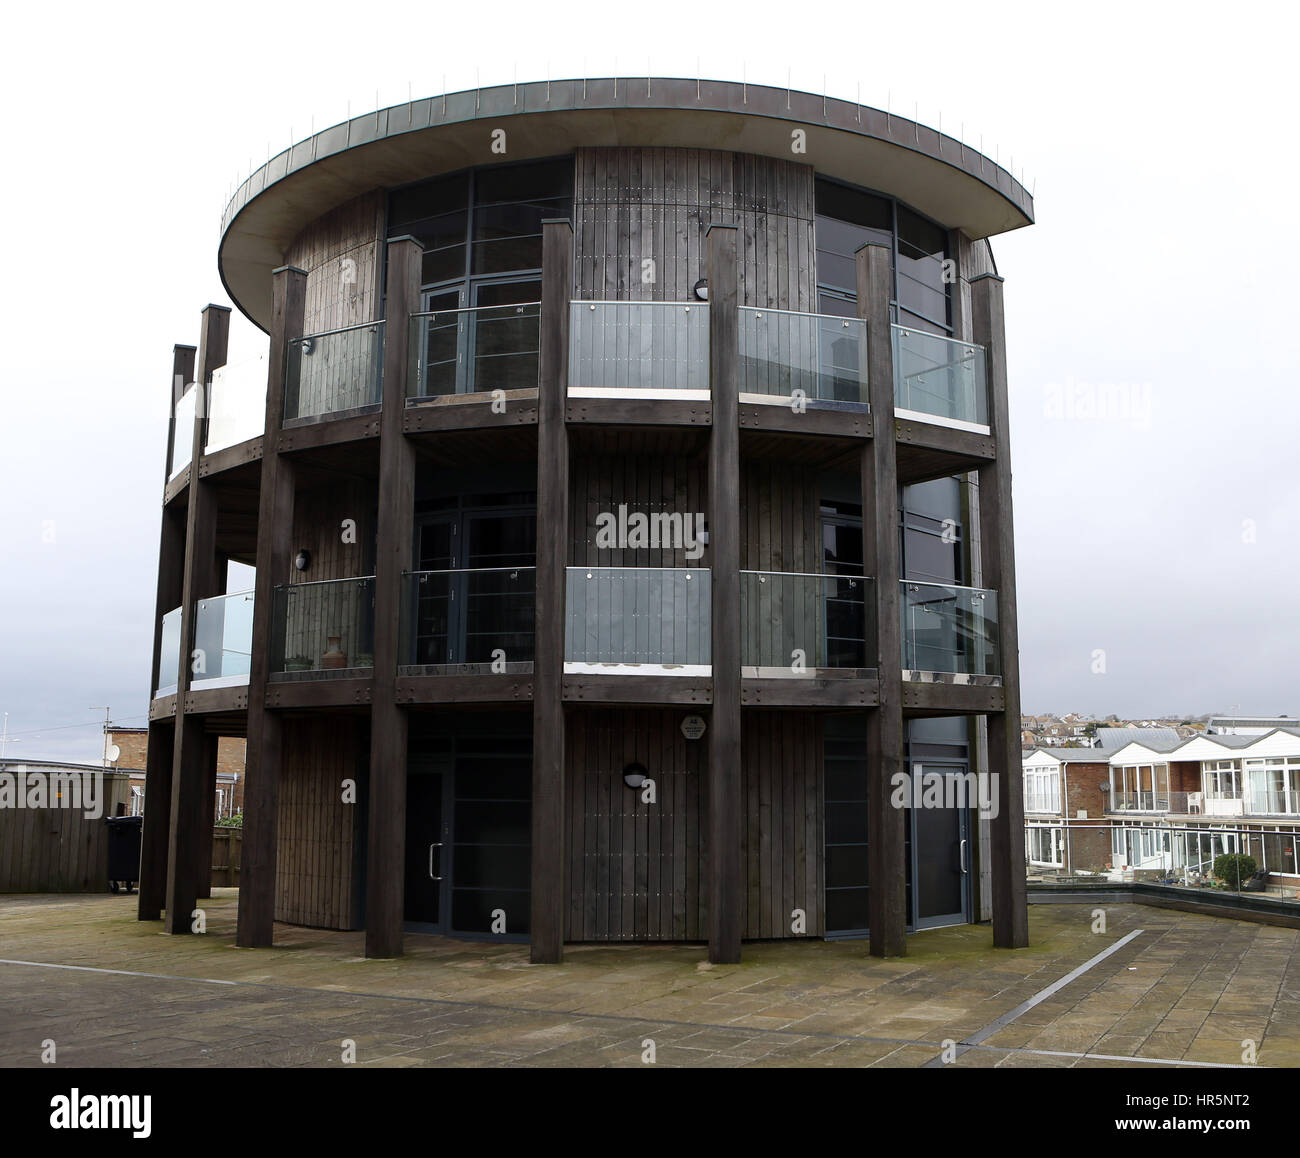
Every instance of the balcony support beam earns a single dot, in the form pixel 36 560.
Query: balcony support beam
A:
pixel 274 551
pixel 998 559
pixel 887 898
pixel 161 743
pixel 386 843
pixel 194 753
pixel 726 881
pixel 549 881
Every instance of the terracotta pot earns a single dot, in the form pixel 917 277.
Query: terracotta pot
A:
pixel 334 656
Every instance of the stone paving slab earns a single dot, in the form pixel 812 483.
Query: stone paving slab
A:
pixel 1190 989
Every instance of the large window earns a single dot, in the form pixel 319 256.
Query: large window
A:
pixel 1139 787
pixel 482 223
pixel 848 218
pixel 1044 845
pixel 1274 784
pixel 1221 779
pixel 1042 790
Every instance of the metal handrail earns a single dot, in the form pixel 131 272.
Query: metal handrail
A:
pixel 341 330
pixel 612 302
pixel 936 337
pixel 472 309
pixel 949 586
pixel 470 570
pixel 760 310
pixel 806 574
pixel 322 582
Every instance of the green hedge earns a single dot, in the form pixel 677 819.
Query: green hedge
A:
pixel 1234 869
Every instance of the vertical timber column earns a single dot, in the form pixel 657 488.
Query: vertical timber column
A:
pixel 725 879
pixel 274 548
pixel 194 749
pixel 386 846
pixel 1007 829
pixel 161 742
pixel 886 846
pixel 547 897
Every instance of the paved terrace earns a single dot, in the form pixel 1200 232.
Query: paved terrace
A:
pixel 1173 989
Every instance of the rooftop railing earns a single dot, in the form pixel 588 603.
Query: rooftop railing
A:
pixel 334 372
pixel 654 348
pixel 950 629
pixel 789 355
pixel 477 350
pixel 940 376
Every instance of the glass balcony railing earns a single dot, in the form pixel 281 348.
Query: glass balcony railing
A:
pixel 481 616
pixel 223 639
pixel 653 616
pixel 950 629
pixel 655 348
pixel 236 404
pixel 183 431
pixel 475 350
pixel 334 372
pixel 169 652
pixel 940 376
pixel 1148 801
pixel 326 626
pixel 822 357
pixel 795 624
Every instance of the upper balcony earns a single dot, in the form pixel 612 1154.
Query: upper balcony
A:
pixel 938 379
pixel 949 630
pixel 335 373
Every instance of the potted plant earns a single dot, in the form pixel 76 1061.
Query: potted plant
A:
pixel 297 663
pixel 334 657
pixel 364 659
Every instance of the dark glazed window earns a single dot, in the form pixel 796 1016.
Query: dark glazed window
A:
pixel 486 222
pixel 848 218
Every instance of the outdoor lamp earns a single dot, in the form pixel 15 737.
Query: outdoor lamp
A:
pixel 702 289
pixel 634 775
pixel 302 560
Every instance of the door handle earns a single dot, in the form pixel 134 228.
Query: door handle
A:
pixel 965 866
pixel 436 844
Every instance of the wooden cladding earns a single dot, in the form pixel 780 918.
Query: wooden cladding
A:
pixel 780 528
pixel 317 865
pixel 633 205
pixel 636 869
pixel 318 525
pixel 783 843
pixel 648 484
pixel 342 253
pixel 56 849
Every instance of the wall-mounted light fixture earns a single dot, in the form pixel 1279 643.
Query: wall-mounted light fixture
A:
pixel 634 775
pixel 702 289
pixel 302 560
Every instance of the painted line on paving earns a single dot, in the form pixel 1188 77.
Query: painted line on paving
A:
pixel 1038 998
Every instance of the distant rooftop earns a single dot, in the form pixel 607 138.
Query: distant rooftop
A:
pixel 1217 723
pixel 1118 737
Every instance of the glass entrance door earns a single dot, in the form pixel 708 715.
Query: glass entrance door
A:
pixel 941 853
pixel 427 841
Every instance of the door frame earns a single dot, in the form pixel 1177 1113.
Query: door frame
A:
pixel 445 768
pixel 966 853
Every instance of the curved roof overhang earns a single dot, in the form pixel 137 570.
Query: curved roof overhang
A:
pixel 935 174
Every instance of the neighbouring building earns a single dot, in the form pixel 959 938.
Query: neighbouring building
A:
pixel 125 749
pixel 1167 807
pixel 627 484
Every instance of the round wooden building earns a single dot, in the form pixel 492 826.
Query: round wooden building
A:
pixel 628 492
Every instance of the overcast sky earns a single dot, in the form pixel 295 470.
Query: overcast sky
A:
pixel 1151 312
